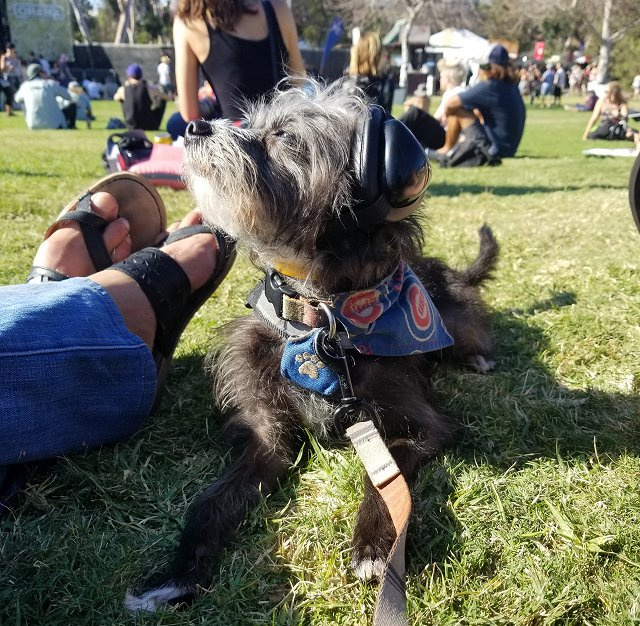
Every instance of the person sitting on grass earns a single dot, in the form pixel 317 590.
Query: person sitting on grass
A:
pixel 143 103
pixel 417 119
pixel 109 307
pixel 486 121
pixel 610 117
pixel 46 103
pixel 83 103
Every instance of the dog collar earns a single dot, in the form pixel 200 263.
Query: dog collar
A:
pixel 290 269
pixel 394 318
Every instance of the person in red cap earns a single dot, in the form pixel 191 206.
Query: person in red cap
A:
pixel 491 115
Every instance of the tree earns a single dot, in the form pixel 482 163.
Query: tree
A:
pixel 125 32
pixel 601 22
pixel 437 14
pixel 80 11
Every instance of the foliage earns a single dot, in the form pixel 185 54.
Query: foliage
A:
pixel 313 19
pixel 531 519
pixel 626 58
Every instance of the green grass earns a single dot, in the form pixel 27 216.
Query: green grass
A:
pixel 534 518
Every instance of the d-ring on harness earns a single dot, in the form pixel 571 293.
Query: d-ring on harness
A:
pixel 328 346
pixel 380 466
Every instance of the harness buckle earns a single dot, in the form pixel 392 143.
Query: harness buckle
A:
pixel 274 289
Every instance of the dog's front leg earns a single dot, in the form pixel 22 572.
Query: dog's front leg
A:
pixel 374 532
pixel 213 518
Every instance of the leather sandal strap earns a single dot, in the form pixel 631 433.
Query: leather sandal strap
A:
pixel 44 275
pixel 162 280
pixel 92 227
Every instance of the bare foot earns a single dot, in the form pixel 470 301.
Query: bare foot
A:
pixel 65 251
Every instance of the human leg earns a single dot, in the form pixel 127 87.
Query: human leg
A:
pixel 88 376
pixel 456 124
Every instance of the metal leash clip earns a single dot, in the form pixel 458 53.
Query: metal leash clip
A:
pixel 328 346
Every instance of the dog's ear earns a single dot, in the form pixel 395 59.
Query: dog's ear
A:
pixel 390 170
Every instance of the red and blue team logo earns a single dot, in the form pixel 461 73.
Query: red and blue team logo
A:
pixel 362 308
pixel 419 307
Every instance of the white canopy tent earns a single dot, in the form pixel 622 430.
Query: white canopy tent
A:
pixel 457 43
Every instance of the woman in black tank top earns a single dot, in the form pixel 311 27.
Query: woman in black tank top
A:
pixel 242 48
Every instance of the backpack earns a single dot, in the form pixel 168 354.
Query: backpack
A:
pixel 126 149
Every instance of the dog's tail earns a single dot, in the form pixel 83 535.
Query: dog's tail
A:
pixel 482 268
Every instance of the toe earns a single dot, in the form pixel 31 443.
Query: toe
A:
pixel 104 205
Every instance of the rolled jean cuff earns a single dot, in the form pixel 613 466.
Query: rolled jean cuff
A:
pixel 73 377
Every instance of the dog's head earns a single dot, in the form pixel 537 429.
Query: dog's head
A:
pixel 319 181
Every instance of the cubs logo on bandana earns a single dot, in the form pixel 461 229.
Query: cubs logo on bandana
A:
pixel 395 318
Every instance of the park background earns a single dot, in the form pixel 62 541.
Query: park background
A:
pixel 533 518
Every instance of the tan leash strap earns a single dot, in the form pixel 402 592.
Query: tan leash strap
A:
pixel 386 477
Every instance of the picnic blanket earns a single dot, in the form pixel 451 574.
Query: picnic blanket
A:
pixel 611 152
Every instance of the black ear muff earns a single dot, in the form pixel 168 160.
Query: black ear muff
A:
pixel 406 168
pixel 390 171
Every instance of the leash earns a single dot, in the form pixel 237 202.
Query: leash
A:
pixel 391 604
pixel 381 468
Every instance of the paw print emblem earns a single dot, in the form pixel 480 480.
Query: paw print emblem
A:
pixel 309 364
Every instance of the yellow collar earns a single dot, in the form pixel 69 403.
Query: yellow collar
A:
pixel 290 269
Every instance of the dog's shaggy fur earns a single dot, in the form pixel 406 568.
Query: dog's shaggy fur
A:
pixel 275 186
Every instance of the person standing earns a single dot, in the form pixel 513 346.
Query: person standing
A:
pixel 40 95
pixel 546 85
pixel 559 83
pixel 243 47
pixel 367 72
pixel 10 73
pixel 164 76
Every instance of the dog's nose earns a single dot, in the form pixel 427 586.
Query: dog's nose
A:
pixel 199 128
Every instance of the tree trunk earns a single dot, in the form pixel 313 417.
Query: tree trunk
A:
pixel 126 22
pixel 405 63
pixel 82 23
pixel 602 72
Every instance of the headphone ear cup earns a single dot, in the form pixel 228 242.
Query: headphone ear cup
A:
pixel 367 157
pixel 406 168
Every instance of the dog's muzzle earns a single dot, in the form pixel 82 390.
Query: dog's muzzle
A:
pixel 197 128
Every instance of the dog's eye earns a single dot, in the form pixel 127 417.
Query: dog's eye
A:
pixel 283 134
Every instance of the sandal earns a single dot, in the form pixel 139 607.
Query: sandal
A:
pixel 138 202
pixel 168 289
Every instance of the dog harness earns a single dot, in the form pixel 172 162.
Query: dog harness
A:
pixel 394 318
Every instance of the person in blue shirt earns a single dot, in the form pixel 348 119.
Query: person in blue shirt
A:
pixel 491 115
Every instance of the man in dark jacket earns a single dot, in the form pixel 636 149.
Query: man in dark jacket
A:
pixel 142 104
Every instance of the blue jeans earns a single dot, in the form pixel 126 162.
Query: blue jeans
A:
pixel 72 376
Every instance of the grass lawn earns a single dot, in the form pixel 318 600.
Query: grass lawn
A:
pixel 534 518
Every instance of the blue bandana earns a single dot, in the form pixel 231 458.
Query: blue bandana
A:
pixel 395 318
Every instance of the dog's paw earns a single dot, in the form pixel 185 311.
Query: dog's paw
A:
pixel 151 601
pixel 368 563
pixel 480 364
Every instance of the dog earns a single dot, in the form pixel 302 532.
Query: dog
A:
pixel 324 191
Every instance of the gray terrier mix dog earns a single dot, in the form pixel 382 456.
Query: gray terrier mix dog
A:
pixel 323 188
